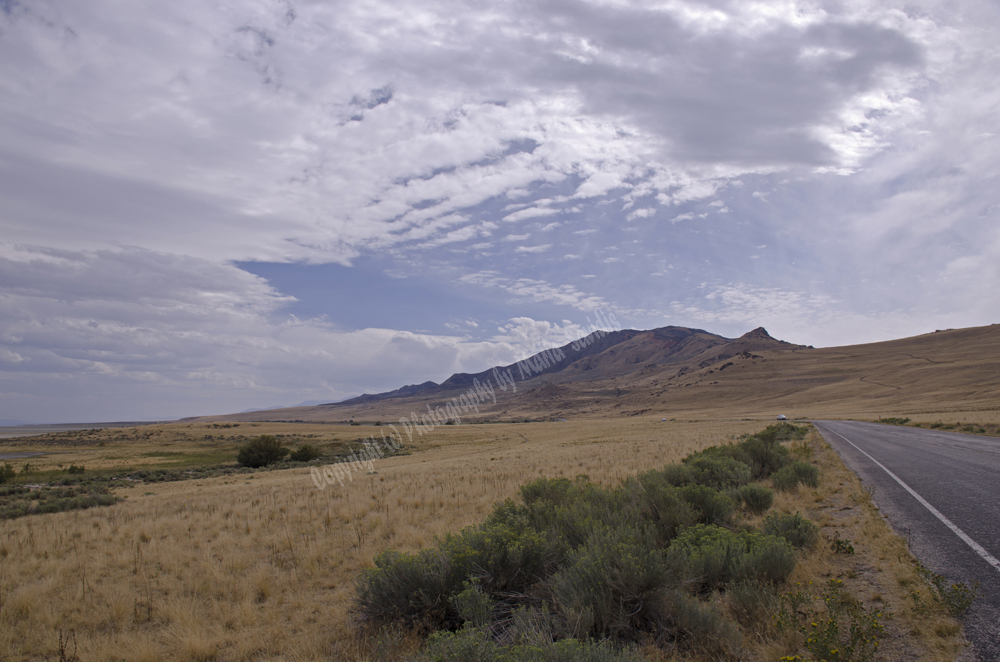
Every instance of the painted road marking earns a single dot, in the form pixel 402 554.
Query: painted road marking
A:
pixel 976 547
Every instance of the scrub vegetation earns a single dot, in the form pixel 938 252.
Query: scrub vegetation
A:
pixel 260 564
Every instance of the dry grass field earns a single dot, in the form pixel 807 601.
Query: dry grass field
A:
pixel 262 566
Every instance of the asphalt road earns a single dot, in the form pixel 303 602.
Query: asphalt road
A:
pixel 941 490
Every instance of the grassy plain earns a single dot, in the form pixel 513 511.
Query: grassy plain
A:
pixel 262 566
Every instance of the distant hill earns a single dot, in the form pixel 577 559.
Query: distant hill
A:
pixel 675 370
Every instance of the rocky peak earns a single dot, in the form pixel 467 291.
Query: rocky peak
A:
pixel 760 333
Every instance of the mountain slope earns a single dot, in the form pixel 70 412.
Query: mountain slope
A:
pixel 673 370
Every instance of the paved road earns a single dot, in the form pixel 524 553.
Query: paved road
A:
pixel 943 493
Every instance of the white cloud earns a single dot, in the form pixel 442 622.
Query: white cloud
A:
pixel 86 329
pixel 641 213
pixel 538 290
pixel 146 147
pixel 533 212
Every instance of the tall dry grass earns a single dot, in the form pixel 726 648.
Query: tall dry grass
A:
pixel 238 569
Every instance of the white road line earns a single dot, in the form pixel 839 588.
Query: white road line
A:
pixel 976 547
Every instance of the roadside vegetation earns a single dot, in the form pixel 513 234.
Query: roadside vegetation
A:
pixel 673 559
pixel 259 564
pixel 34 491
pixel 991 429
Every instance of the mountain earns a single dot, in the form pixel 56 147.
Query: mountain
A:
pixel 677 370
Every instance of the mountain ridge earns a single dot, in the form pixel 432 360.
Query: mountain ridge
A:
pixel 674 371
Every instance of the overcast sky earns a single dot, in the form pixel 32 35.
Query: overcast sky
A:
pixel 207 207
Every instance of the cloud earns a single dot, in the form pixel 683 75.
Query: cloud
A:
pixel 84 330
pixel 533 212
pixel 243 126
pixel 148 148
pixel 641 213
pixel 537 290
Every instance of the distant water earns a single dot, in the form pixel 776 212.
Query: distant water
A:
pixel 17 456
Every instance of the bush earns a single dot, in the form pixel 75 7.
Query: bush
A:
pixel 260 452
pixel 756 498
pixel 426 586
pixel 556 490
pixel 305 453
pixel 764 451
pixel 677 474
pixel 717 556
pixel 7 473
pixel 609 561
pixel 808 474
pixel 660 504
pixel 570 511
pixel 612 586
pixel 711 507
pixel 73 469
pixel 789 476
pixel 408 587
pixel 719 472
pixel 504 559
pixel 796 529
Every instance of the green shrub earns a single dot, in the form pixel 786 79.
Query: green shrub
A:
pixel 764 452
pixel 789 476
pixel 711 506
pixel 784 479
pixel 554 490
pixel 474 607
pixel 660 504
pixel 7 473
pixel 718 472
pixel 260 452
pixel 796 529
pixel 504 559
pixel 412 588
pixel 613 585
pixel 569 511
pixel 756 498
pixel 73 469
pixel 808 474
pixel 677 474
pixel 715 556
pixel 305 453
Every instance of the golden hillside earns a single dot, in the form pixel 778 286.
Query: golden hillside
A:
pixel 684 372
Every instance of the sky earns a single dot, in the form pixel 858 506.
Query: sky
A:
pixel 211 207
